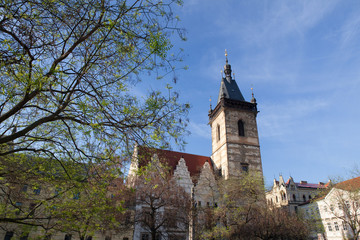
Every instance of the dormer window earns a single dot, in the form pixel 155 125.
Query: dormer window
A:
pixel 241 128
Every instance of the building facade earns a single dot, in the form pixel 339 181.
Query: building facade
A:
pixel 291 194
pixel 336 215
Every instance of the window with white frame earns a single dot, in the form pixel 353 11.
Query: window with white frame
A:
pixel 329 227
pixel 347 203
pixel 344 225
pixel 336 226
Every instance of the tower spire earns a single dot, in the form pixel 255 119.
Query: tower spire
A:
pixel 253 99
pixel 227 68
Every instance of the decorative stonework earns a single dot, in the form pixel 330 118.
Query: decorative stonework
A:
pixel 206 190
pixel 182 176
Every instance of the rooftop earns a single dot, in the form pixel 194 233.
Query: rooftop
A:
pixel 193 162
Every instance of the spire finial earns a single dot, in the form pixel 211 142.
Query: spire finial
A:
pixel 210 104
pixel 253 99
pixel 226 56
pixel 227 68
pixel 234 75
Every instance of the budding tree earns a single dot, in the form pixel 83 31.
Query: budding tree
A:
pixel 66 72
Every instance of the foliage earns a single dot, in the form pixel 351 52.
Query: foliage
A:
pixel 65 72
pixel 80 205
pixel 242 213
pixel 67 109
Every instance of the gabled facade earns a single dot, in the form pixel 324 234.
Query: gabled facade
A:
pixel 291 194
pixel 194 173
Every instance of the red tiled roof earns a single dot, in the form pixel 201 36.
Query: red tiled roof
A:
pixel 171 158
pixel 351 184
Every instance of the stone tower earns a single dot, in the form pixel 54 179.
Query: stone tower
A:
pixel 235 140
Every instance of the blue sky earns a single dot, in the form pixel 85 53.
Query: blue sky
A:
pixel 303 60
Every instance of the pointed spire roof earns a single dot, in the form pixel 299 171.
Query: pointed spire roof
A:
pixel 229 88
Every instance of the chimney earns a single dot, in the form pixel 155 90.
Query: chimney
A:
pixel 303 182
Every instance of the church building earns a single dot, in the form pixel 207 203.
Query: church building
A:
pixel 235 149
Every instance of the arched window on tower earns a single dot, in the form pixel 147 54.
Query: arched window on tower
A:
pixel 218 132
pixel 241 128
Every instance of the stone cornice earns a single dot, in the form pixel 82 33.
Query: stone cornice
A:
pixel 234 104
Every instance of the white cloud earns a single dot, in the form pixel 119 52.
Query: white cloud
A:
pixel 279 119
pixel 200 129
pixel 277 20
pixel 350 30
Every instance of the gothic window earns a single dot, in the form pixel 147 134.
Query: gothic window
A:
pixel 304 198
pixel 294 197
pixel 241 128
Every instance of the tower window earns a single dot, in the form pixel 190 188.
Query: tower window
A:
pixel 218 132
pixel 241 128
pixel 245 167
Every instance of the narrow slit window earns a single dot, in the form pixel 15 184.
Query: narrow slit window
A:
pixel 218 132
